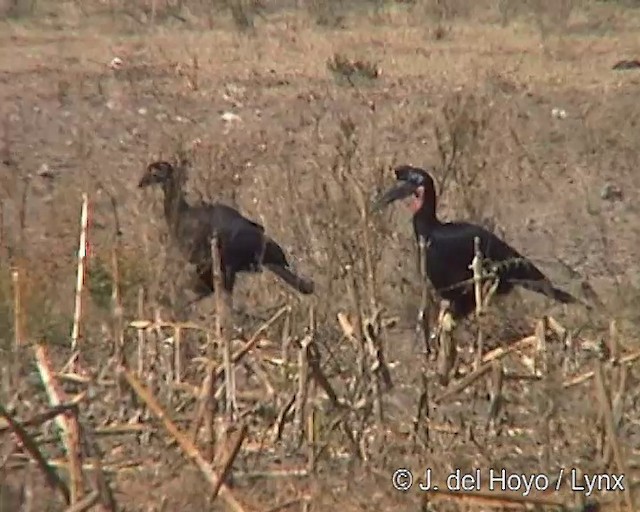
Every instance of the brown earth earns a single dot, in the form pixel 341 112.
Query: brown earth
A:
pixel 537 137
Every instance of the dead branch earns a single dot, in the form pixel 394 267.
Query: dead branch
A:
pixel 30 445
pixel 67 423
pixel 185 444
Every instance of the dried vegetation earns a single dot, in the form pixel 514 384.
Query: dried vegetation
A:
pixel 109 390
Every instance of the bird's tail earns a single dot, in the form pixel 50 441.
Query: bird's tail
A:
pixel 562 296
pixel 303 285
pixel 546 288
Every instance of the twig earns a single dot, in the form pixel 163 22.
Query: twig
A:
pixel 177 354
pixel 217 372
pixel 354 296
pixel 222 338
pixel 141 334
pixel 17 309
pixel 82 253
pixel 610 428
pixel 228 462
pixel 52 477
pixel 116 302
pixel 464 383
pixel 85 503
pixel 579 379
pixel 67 423
pixel 496 392
pixel 303 381
pixel 185 444
pixel 447 350
pixel 285 505
pixel 206 409
pixel 17 326
pixel 476 267
pixel 541 348
pixel 278 425
pixel 422 320
pixel 501 352
pixel 104 489
pixel 39 419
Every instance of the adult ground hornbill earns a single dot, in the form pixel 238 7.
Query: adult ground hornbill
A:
pixel 242 243
pixel 449 248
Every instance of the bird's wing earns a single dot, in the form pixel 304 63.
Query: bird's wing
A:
pixel 510 263
pixel 226 214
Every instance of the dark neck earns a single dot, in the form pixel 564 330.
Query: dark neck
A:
pixel 425 218
pixel 174 201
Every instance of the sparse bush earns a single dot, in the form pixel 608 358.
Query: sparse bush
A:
pixel 352 71
pixel 133 274
pixel 328 13
pixel 551 16
pixel 16 9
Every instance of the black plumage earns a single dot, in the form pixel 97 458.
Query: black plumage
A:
pixel 243 245
pixel 449 248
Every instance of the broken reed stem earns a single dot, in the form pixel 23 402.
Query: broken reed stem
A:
pixel 67 423
pixel 422 321
pixel 228 462
pixel 206 411
pixel 303 381
pixel 177 354
pixel 497 378
pixel 447 351
pixel 14 375
pixel 352 290
pixel 377 367
pixel 141 334
pixel 368 251
pixel 463 383
pixel 31 446
pixel 116 302
pixel 208 390
pixel 82 253
pixel 617 404
pixel 230 398
pixel 17 308
pixel 188 448
pixel 285 342
pixel 579 379
pixel 85 503
pixel 311 391
pixel 476 267
pixel 422 411
pixel 39 419
pixel 609 425
pixel 541 352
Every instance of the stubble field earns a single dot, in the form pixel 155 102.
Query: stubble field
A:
pixel 297 122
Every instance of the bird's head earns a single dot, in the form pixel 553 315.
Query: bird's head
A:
pixel 157 173
pixel 411 181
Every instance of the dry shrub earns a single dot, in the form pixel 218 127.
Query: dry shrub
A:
pixel 551 16
pixel 354 71
pixel 461 137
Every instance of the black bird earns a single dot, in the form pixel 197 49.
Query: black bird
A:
pixel 242 243
pixel 449 248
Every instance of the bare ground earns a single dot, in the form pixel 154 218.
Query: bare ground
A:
pixel 537 137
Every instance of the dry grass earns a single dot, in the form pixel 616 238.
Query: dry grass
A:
pixel 531 133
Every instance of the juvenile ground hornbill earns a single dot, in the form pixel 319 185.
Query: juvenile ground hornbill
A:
pixel 449 248
pixel 242 243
